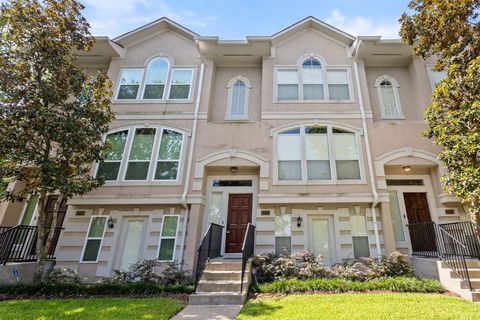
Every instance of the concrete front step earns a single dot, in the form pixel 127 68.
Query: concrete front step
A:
pixel 218 285
pixel 217 298
pixel 470 264
pixel 474 274
pixel 475 284
pixel 222 275
pixel 476 296
pixel 224 266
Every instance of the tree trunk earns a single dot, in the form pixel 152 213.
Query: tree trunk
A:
pixel 41 234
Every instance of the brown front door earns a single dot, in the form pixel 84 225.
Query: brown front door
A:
pixel 416 205
pixel 239 215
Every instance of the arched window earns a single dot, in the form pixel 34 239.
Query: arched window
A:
pixel 312 79
pixel 317 153
pixel 238 88
pixel 142 154
pixel 389 99
pixel 156 79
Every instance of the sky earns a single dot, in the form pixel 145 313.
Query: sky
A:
pixel 236 19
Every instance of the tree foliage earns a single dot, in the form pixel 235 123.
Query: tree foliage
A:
pixel 449 30
pixel 52 114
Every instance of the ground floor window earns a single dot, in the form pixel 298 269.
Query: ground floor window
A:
pixel 396 217
pixel 359 236
pixel 94 238
pixel 168 237
pixel 283 234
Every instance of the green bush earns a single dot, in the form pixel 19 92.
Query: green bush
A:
pixel 337 285
pixel 99 289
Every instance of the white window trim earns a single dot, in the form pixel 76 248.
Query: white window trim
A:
pixel 396 94
pixel 325 68
pixel 94 238
pixel 166 92
pixel 153 160
pixel 167 79
pixel 365 234
pixel 231 83
pixel 175 238
pixel 331 151
pixel 190 84
pixel 24 208
pixel 430 78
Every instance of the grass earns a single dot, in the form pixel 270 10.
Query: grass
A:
pixel 337 285
pixel 406 306
pixel 92 308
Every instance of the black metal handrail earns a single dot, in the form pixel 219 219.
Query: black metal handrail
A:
pixel 423 239
pixel 466 233
pixel 4 228
pixel 18 244
pixel 248 249
pixel 210 248
pixel 452 251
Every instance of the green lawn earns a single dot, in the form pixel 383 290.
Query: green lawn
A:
pixel 90 308
pixel 411 306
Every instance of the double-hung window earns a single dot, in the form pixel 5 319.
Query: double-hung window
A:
pixel 283 234
pixel 130 81
pixel 317 153
pixel 180 84
pixel 156 79
pixel 142 154
pixel 359 236
pixel 338 84
pixel 287 84
pixel 168 236
pixel 93 241
pixel 312 80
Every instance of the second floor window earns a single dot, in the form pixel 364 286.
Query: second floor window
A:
pixel 158 81
pixel 238 94
pixel 317 153
pixel 312 81
pixel 389 98
pixel 142 154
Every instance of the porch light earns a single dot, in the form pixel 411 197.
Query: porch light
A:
pixel 233 170
pixel 110 222
pixel 299 221
pixel 407 169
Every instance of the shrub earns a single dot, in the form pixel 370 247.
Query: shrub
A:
pixel 304 265
pixel 174 276
pixel 62 275
pixel 145 271
pixel 337 285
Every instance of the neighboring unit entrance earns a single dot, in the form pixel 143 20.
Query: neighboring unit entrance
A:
pixel 134 231
pixel 321 239
pixel 416 205
pixel 239 216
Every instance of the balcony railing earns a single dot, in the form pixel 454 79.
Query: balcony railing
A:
pixel 18 244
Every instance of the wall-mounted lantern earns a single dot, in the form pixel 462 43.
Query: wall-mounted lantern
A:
pixel 299 221
pixel 110 222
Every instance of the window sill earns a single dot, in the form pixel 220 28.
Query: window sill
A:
pixel 317 182
pixel 314 101
pixel 393 118
pixel 233 119
pixel 152 101
pixel 142 183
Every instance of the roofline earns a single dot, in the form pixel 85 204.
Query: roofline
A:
pixel 312 18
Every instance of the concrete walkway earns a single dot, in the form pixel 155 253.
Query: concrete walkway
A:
pixel 219 312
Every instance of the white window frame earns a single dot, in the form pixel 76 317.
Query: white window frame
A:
pixel 331 150
pixel 325 68
pixel 24 208
pixel 365 234
pixel 167 79
pixel 190 84
pixel 94 238
pixel 430 75
pixel 231 83
pixel 396 94
pixel 153 160
pixel 140 85
pixel 174 238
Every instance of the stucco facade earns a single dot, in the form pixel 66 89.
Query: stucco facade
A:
pixel 356 208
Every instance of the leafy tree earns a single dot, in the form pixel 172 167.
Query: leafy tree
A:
pixel 52 114
pixel 449 30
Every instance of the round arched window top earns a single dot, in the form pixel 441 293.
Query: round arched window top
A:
pixel 239 83
pixel 311 63
pixel 385 83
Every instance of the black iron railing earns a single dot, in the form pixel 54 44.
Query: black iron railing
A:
pixel 451 242
pixel 18 244
pixel 248 249
pixel 4 228
pixel 210 248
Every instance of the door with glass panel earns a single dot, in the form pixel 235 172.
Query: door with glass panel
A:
pixel 321 239
pixel 133 235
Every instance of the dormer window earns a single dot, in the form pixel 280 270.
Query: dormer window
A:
pixel 238 90
pixel 389 99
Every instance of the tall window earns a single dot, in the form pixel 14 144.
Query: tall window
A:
pixel 283 234
pixel 155 81
pixel 312 80
pixel 317 153
pixel 389 98
pixel 168 238
pixel 238 89
pixel 94 239
pixel 359 236
pixel 154 153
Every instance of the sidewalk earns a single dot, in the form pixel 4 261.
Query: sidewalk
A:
pixel 220 312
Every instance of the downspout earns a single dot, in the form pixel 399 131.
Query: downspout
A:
pixel 189 165
pixel 369 154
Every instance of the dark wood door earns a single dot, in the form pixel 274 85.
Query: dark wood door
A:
pixel 416 205
pixel 239 215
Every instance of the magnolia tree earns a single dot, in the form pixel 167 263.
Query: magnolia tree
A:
pixel 52 114
pixel 450 31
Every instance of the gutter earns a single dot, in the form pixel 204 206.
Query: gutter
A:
pixel 368 151
pixel 189 165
